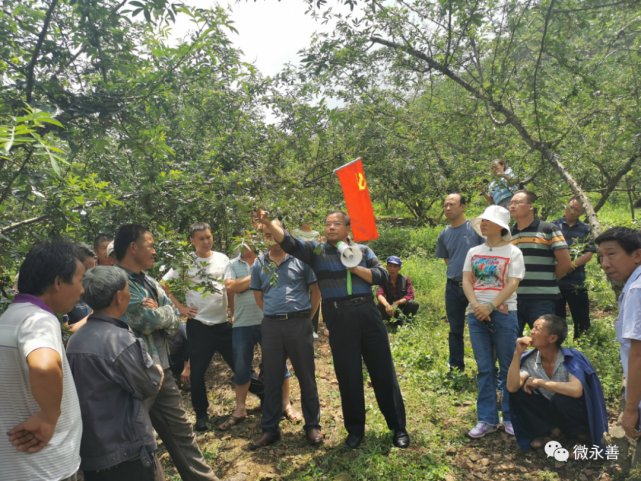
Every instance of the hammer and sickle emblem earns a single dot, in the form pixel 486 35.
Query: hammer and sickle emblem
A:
pixel 360 181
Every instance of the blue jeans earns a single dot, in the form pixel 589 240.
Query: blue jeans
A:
pixel 529 310
pixel 455 306
pixel 243 341
pixel 500 335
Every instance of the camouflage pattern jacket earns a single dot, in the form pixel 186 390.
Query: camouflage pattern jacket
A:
pixel 154 326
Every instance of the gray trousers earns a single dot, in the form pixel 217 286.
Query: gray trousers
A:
pixel 282 339
pixel 170 422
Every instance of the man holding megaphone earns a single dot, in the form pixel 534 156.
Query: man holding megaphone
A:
pixel 346 272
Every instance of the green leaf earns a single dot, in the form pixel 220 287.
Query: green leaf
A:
pixel 9 143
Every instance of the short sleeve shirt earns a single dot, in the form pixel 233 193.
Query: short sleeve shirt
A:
pixel 246 311
pixel 291 290
pixel 500 188
pixel 628 327
pixel 212 308
pixel 453 244
pixel 79 312
pixel 24 328
pixel 579 232
pixel 538 241
pixel 532 367
pixel 491 270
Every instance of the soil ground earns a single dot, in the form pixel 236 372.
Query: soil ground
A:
pixel 495 457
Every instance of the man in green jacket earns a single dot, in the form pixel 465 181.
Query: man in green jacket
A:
pixel 154 319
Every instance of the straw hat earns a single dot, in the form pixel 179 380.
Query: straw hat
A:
pixel 497 214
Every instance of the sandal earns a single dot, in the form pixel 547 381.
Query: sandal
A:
pixel 290 414
pixel 231 422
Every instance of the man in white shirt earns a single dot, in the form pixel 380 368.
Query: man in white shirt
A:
pixel 39 411
pixel 208 330
pixel 619 253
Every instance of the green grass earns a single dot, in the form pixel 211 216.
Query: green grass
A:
pixel 433 401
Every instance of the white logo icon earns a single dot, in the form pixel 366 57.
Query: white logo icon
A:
pixel 554 448
pixel 561 455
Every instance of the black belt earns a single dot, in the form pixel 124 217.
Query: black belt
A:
pixel 349 302
pixel 456 283
pixel 289 315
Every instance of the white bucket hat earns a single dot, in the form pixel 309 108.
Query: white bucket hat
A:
pixel 497 214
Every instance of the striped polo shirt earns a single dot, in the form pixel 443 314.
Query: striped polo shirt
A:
pixel 538 241
pixel 246 311
pixel 330 271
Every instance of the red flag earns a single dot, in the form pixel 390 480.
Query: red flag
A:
pixel 357 200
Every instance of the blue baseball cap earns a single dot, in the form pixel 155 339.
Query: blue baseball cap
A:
pixel 394 260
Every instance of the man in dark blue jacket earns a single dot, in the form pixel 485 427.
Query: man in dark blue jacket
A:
pixel 554 390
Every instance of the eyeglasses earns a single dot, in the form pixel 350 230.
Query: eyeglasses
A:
pixel 335 224
pixel 518 203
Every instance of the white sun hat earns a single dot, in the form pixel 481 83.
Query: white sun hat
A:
pixel 497 214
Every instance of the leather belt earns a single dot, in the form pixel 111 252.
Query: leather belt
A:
pixel 289 315
pixel 349 302
pixel 455 283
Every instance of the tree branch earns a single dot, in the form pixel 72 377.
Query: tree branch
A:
pixel 614 180
pixel 7 189
pixel 36 51
pixel 512 119
pixel 596 7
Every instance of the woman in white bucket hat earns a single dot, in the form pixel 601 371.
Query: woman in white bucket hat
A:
pixel 491 274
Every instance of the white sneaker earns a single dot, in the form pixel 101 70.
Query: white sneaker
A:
pixel 315 335
pixel 481 429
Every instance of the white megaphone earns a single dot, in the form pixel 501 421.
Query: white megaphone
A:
pixel 351 256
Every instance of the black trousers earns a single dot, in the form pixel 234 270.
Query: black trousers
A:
pixel 129 471
pixel 540 415
pixel 579 303
pixel 178 358
pixel 281 339
pixel 204 341
pixel 357 334
pixel 409 309
pixel 316 319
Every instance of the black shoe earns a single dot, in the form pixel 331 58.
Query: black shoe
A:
pixel 401 439
pixel 201 422
pixel 263 440
pixel 354 440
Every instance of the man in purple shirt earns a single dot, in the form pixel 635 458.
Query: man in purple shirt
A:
pixel 397 296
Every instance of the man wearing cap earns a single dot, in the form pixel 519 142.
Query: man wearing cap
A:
pixel 453 244
pixel 397 296
pixel 111 255
pixel 357 330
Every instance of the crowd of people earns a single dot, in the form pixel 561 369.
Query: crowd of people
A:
pixel 501 279
pixel 94 405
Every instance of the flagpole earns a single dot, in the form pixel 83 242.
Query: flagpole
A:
pixel 348 163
